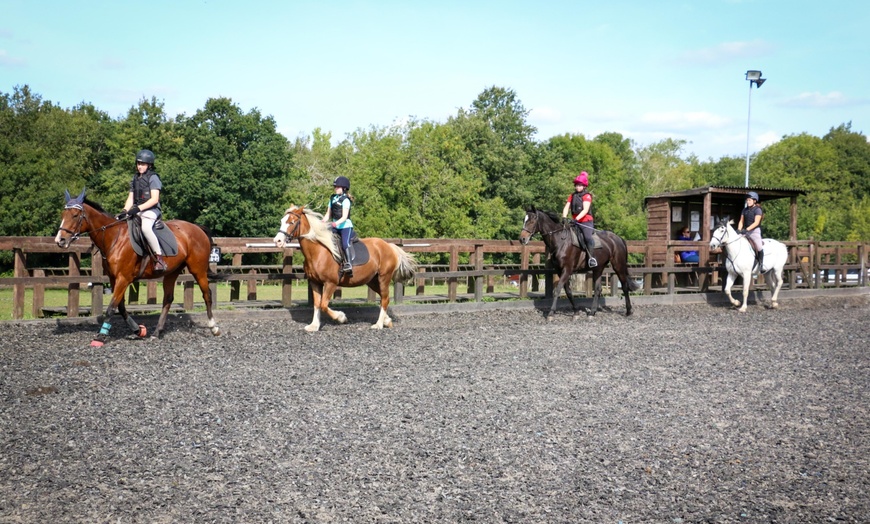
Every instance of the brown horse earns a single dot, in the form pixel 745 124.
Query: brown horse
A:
pixel 568 258
pixel 322 261
pixel 124 266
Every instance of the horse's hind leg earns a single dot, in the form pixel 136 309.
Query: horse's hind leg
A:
pixel 569 292
pixel 168 298
pixel 381 286
pixel 596 277
pixel 774 282
pixel 201 279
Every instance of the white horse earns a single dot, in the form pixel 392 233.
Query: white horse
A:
pixel 740 260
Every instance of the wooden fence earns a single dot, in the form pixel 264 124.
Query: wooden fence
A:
pixel 467 274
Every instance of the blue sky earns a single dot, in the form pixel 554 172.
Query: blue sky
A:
pixel 647 69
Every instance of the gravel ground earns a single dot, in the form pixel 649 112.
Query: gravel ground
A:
pixel 677 414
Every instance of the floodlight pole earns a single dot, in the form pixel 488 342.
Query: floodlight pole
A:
pixel 754 77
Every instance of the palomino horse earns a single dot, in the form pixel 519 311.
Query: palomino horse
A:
pixel 740 260
pixel 568 258
pixel 82 217
pixel 322 261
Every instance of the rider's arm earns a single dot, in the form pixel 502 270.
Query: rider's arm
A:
pixel 586 205
pixel 740 224
pixel 566 209
pixel 129 202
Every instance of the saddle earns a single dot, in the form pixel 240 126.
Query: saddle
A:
pixel 578 240
pixel 360 253
pixel 164 236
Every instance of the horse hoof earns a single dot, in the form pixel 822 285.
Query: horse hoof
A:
pixel 97 343
pixel 216 331
pixel 550 318
pixel 311 328
pixel 377 326
pixel 774 305
pixel 143 332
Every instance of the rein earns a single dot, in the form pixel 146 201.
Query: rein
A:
pixel 75 235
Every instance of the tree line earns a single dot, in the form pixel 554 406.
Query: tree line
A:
pixel 468 177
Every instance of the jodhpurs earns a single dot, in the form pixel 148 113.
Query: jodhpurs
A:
pixel 587 228
pixel 150 216
pixel 754 236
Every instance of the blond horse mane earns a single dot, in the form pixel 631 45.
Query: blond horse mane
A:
pixel 318 231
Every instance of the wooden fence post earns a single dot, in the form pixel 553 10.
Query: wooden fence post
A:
pixel 287 285
pixel 20 271
pixel 72 303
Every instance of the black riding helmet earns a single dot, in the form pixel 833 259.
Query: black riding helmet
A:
pixel 342 181
pixel 146 156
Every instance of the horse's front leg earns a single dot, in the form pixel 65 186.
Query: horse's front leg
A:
pixel 774 282
pixel 596 278
pixel 569 292
pixel 729 282
pixel 119 287
pixel 317 293
pixel 747 286
pixel 328 290
pixel 563 278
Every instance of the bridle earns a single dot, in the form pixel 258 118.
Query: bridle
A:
pixel 75 235
pixel 543 233
pixel 295 232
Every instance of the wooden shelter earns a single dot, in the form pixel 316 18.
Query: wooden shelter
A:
pixel 702 207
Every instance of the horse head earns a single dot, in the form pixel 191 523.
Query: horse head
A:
pixel 530 225
pixel 290 226
pixel 71 220
pixel 723 235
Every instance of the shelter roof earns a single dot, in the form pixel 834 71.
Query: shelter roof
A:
pixel 731 192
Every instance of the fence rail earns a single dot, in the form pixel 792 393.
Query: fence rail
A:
pixel 811 264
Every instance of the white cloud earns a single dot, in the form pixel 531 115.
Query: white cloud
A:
pixel 816 100
pixel 7 60
pixel 765 139
pixel 683 121
pixel 545 115
pixel 725 52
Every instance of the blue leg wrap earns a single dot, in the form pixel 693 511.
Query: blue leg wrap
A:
pixel 105 329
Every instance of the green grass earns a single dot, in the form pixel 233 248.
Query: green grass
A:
pixel 55 298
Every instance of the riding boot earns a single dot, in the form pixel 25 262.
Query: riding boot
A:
pixel 347 266
pixel 159 264
pixel 590 260
pixel 760 258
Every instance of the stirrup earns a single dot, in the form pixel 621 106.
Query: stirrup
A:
pixel 591 262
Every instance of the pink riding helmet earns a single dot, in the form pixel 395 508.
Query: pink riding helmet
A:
pixel 582 178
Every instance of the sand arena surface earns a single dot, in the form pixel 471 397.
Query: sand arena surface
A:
pixel 677 414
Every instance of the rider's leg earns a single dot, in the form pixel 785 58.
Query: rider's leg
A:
pixel 346 235
pixel 755 237
pixel 148 218
pixel 588 228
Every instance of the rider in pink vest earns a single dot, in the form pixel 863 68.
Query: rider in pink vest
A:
pixel 579 204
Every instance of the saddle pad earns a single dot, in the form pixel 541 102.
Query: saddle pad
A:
pixel 575 239
pixel 165 237
pixel 360 251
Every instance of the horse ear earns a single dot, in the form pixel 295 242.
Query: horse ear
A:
pixel 81 198
pixel 66 194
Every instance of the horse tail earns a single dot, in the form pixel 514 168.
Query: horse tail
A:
pixel 208 233
pixel 407 266
pixel 212 277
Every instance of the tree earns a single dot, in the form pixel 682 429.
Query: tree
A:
pixel 232 172
pixel 499 140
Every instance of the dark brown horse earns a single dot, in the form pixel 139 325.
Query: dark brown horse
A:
pixel 567 258
pixel 322 260
pixel 124 266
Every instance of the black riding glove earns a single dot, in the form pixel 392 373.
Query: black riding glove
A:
pixel 121 216
pixel 741 231
pixel 133 211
